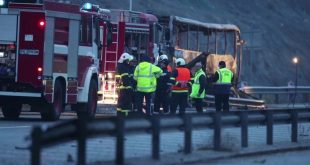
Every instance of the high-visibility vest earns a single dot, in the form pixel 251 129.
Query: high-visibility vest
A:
pixel 225 76
pixel 196 85
pixel 145 74
pixel 183 77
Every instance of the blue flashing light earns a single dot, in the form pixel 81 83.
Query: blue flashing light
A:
pixel 87 6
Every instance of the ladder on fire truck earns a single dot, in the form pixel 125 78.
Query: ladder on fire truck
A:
pixel 109 94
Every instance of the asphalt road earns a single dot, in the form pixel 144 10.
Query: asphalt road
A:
pixel 287 158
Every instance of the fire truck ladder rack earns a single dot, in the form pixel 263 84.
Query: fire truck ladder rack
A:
pixel 109 94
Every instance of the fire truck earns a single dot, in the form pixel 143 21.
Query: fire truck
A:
pixel 50 57
pixel 133 32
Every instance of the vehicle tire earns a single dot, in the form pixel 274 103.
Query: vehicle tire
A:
pixel 11 111
pixel 52 111
pixel 88 110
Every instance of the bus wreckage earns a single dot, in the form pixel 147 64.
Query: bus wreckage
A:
pixel 208 43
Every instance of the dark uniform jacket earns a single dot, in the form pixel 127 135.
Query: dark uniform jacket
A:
pixel 125 75
pixel 163 81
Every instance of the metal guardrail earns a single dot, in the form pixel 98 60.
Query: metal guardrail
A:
pixel 275 90
pixel 82 129
pixel 239 102
pixel 290 91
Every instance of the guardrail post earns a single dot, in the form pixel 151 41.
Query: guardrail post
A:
pixel 155 137
pixel 187 120
pixel 269 118
pixel 217 130
pixel 277 98
pixel 120 133
pixel 305 97
pixel 244 128
pixel 36 137
pixel 81 132
pixel 294 120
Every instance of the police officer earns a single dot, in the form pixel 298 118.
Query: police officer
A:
pixel 198 92
pixel 145 74
pixel 125 83
pixel 163 87
pixel 180 79
pixel 223 78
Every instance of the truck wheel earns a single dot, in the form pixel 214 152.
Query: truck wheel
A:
pixel 88 109
pixel 51 112
pixel 11 111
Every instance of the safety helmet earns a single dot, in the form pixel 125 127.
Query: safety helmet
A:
pixel 124 57
pixel 180 61
pixel 163 57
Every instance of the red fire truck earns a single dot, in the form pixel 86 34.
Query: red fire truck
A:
pixel 134 32
pixel 50 56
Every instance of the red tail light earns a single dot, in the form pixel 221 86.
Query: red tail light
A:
pixel 40 69
pixel 42 23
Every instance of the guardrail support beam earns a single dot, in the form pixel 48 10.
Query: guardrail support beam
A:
pixel 217 130
pixel 36 146
pixel 306 97
pixel 155 137
pixel 277 98
pixel 120 134
pixel 244 128
pixel 82 132
pixel 294 119
pixel 187 134
pixel 269 118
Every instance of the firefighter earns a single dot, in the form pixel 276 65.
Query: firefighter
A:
pixel 198 92
pixel 163 87
pixel 180 79
pixel 145 74
pixel 223 78
pixel 125 84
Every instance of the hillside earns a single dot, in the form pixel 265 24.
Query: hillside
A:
pixel 275 31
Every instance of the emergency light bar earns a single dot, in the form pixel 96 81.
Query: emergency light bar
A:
pixel 87 6
pixel 94 8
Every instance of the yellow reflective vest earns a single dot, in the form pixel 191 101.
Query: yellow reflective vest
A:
pixel 225 76
pixel 196 85
pixel 145 74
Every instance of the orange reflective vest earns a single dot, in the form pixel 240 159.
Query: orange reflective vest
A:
pixel 183 78
pixel 169 68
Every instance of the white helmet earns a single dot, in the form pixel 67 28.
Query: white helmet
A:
pixel 180 61
pixel 163 57
pixel 124 57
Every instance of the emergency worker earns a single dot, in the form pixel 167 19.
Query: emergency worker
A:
pixel 223 78
pixel 198 92
pixel 180 79
pixel 163 87
pixel 125 84
pixel 145 74
pixel 133 63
